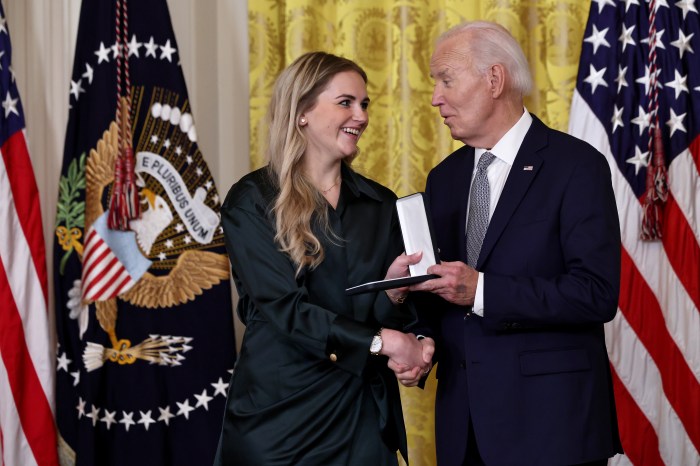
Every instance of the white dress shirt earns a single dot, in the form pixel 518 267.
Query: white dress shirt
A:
pixel 505 151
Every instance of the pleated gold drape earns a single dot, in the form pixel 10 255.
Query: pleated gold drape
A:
pixel 393 40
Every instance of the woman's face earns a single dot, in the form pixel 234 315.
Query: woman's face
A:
pixel 335 123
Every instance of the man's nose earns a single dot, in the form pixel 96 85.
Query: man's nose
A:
pixel 437 98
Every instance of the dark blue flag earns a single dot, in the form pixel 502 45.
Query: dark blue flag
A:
pixel 144 315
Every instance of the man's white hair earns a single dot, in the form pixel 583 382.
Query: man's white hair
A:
pixel 489 44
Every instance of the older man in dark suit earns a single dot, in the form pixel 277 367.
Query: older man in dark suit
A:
pixel 527 227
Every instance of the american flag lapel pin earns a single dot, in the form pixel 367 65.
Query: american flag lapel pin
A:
pixel 527 168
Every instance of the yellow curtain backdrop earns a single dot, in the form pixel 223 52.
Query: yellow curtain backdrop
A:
pixel 393 40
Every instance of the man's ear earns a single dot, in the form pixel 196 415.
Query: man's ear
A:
pixel 497 80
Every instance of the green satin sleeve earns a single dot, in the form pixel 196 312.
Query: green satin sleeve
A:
pixel 269 291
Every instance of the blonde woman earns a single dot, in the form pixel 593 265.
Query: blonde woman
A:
pixel 312 384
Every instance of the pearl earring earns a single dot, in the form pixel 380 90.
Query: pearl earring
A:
pixel 302 120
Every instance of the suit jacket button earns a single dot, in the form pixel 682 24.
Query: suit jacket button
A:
pixel 333 357
pixel 463 364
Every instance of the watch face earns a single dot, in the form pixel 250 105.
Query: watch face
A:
pixel 376 345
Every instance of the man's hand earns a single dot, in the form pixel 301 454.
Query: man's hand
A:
pixel 408 356
pixel 457 282
pixel 410 376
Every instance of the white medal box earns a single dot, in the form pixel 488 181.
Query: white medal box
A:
pixel 416 230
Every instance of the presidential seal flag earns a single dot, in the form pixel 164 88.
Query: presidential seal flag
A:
pixel 637 100
pixel 143 299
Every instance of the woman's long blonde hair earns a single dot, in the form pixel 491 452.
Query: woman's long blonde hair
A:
pixel 299 202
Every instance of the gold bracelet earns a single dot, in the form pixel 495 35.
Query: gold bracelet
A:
pixel 397 299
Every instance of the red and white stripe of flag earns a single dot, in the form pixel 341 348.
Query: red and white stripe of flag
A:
pixel 654 341
pixel 27 431
pixel 103 276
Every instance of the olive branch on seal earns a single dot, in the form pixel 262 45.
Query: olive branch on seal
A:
pixel 70 209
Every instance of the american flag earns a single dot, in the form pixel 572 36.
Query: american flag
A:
pixel 27 434
pixel 654 342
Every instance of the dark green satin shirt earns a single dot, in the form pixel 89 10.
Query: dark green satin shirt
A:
pixel 305 389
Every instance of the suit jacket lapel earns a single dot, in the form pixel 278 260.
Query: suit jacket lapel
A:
pixel 466 172
pixel 517 184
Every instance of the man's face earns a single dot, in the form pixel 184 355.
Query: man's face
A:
pixel 461 94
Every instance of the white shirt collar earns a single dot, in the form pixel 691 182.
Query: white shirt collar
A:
pixel 508 146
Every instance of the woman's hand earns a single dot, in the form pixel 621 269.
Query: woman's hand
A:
pixel 399 269
pixel 411 376
pixel 409 357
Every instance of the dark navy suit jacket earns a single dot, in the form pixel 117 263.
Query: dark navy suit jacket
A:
pixel 533 373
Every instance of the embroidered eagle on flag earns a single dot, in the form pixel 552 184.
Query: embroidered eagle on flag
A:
pixel 106 272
